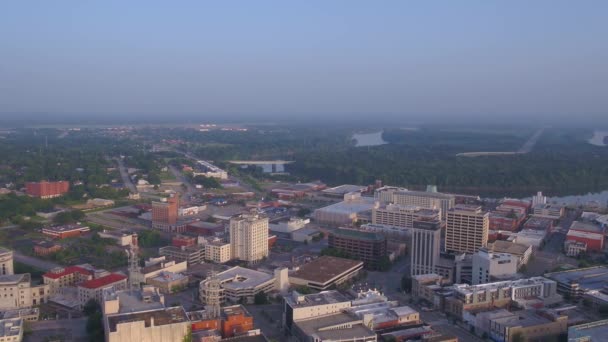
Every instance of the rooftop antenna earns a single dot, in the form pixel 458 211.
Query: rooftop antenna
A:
pixel 135 276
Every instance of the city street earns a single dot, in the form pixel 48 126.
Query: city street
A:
pixel 44 265
pixel 125 176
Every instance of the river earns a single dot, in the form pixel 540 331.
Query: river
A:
pixel 598 138
pixel 369 139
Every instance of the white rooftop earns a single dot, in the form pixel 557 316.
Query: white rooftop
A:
pixel 241 278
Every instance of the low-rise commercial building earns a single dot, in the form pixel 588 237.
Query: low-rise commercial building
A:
pixel 530 237
pixel 11 329
pixel 121 238
pixel 155 266
pixel 500 294
pixel 168 282
pixel 520 251
pixel 550 211
pixel 325 272
pixel 293 224
pixel 527 326
pixel 236 284
pixel 94 288
pixel 589 332
pixel 42 248
pixel 574 283
pixel 588 234
pixel 65 231
pixel 345 212
pixel 183 241
pixel 539 223
pixel 193 255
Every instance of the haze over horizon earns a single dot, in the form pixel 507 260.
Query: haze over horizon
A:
pixel 544 61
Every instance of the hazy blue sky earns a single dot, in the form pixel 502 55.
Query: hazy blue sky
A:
pixel 401 58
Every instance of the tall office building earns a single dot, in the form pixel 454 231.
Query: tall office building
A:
pixel 402 215
pixel 466 229
pixel 539 199
pixel 165 213
pixel 249 237
pixel 369 247
pixel 425 248
pixel 427 200
pixel 385 194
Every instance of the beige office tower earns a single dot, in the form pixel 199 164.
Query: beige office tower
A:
pixel 428 200
pixel 249 237
pixel 425 248
pixel 466 229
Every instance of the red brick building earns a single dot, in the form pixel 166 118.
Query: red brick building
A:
pixel 165 213
pixel 588 233
pixel 65 231
pixel 46 189
pixel 499 221
pixel 235 320
pixel 46 247
pixel 182 240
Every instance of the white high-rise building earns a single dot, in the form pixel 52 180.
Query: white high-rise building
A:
pixel 487 265
pixel 539 199
pixel 249 237
pixel 428 200
pixel 426 241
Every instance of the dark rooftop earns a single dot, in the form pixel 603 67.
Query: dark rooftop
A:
pixel 161 317
pixel 325 268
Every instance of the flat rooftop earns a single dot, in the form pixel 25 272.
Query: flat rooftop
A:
pixel 136 300
pixel 590 278
pixel 358 234
pixel 470 289
pixel 349 207
pixel 163 316
pixel 325 268
pixel 596 331
pixel 501 246
pixel 314 326
pixel 240 278
pixel 587 227
pixel 344 189
pixel 425 194
pixel 166 277
pixel 538 222
pixel 321 298
pixel 10 327
pixel 66 228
